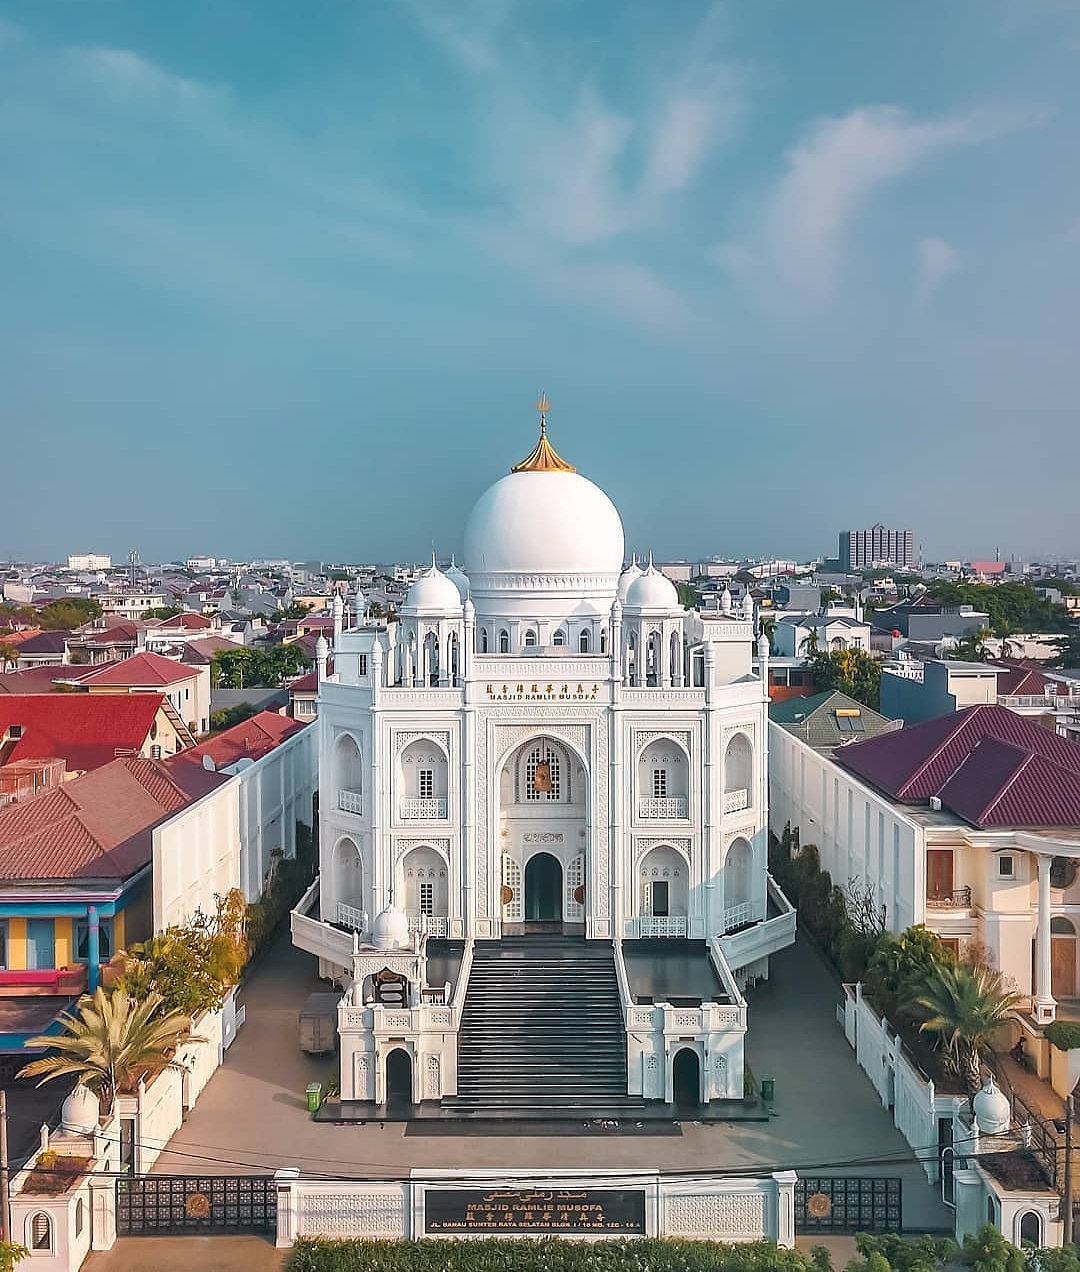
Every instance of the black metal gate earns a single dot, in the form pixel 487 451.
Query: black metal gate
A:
pixel 168 1205
pixel 852 1203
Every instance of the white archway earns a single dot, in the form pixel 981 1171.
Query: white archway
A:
pixel 738 774
pixel 738 884
pixel 348 870
pixel 349 772
pixel 663 892
pixel 425 890
pixel 663 780
pixel 424 781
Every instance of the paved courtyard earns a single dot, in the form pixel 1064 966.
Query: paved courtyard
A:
pixel 252 1115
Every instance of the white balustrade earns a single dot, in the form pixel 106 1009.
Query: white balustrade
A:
pixel 736 915
pixel 350 802
pixel 670 808
pixel 432 924
pixel 736 800
pixel 662 925
pixel 422 809
pixel 349 916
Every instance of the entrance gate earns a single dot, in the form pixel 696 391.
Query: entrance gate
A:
pixel 171 1205
pixel 853 1203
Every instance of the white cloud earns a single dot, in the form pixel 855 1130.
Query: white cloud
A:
pixel 830 177
pixel 125 73
pixel 937 259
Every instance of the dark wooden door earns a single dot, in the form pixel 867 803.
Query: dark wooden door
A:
pixel 939 874
pixel 1063 966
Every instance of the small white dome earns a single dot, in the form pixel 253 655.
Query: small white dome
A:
pixel 390 931
pixel 627 577
pixel 992 1110
pixel 80 1112
pixel 748 605
pixel 338 605
pixel 459 579
pixel 763 646
pixel 652 591
pixel 725 601
pixel 322 649
pixel 432 593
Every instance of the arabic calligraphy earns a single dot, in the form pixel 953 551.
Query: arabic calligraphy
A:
pixel 615 1211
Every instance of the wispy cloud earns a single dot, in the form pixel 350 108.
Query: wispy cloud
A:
pixel 829 179
pixel 937 259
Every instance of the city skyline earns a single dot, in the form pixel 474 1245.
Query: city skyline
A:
pixel 296 277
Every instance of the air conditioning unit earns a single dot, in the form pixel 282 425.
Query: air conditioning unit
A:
pixel 935 803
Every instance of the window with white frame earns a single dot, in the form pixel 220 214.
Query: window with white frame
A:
pixel 559 638
pixel 41 1231
pixel 504 642
pixel 583 641
pixel 427 783
pixel 659 783
pixel 542 778
pixel 530 639
pixel 426 898
pixel 1006 867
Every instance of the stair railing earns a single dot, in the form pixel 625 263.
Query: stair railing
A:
pixel 626 998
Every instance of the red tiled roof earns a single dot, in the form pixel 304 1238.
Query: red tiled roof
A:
pixel 184 621
pixel 309 683
pixel 16 636
pixel 97 826
pixel 84 730
pixel 202 650
pixel 1016 678
pixel 249 740
pixel 985 763
pixel 117 634
pixel 141 669
pixel 35 679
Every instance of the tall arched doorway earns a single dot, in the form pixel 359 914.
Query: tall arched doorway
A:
pixel 686 1078
pixel 543 889
pixel 398 1078
pixel 1062 957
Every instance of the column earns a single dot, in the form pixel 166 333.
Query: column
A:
pixel 93 948
pixel 1045 1007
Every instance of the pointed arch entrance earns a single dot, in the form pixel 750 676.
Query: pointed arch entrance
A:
pixel 686 1078
pixel 543 890
pixel 398 1077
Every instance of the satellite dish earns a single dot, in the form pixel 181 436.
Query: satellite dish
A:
pixel 208 764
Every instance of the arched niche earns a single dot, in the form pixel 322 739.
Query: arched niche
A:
pixel 663 779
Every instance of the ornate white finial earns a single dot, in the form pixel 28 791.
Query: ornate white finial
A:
pixel 725 600
pixel 748 605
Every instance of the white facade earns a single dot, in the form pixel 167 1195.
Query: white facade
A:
pixel 89 561
pixel 543 739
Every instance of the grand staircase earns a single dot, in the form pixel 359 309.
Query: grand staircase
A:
pixel 541 1032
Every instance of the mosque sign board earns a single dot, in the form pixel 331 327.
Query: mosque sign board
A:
pixel 542 691
pixel 610 1212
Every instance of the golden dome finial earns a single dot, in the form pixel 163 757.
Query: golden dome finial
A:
pixel 542 458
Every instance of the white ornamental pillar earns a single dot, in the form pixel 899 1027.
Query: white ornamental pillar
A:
pixel 1045 1006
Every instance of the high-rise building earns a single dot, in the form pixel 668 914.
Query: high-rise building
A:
pixel 89 561
pixel 862 549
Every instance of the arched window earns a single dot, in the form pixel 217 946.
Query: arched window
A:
pixel 41 1231
pixel 530 638
pixel 483 640
pixel 1060 926
pixel 991 1210
pixel 1030 1231
pixel 559 638
pixel 542 775
pixel 79 1208
pixel 603 640
pixel 504 641
pixel 583 641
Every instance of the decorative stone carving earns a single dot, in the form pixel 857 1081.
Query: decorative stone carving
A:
pixel 439 1018
pixel 642 846
pixel 402 846
pixel 441 737
pixel 432 1087
pixel 642 738
pixel 602 825
pixel 688 1019
pixel 397 1022
pixel 727 1018
pixel 718 1216
pixel 351 1214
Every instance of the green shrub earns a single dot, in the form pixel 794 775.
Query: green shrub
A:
pixel 1063 1034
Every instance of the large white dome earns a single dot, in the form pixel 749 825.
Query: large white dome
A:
pixel 544 523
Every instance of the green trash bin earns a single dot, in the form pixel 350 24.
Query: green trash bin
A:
pixel 768 1088
pixel 314 1096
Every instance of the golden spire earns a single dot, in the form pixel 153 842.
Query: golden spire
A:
pixel 543 458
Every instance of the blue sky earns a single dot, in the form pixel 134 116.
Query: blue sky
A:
pixel 286 279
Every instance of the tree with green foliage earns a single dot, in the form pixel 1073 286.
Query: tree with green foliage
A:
pixel 112 1039
pixel 902 1254
pixel 191 966
pixel 1068 651
pixel 900 967
pixel 9 655
pixel 809 643
pixel 1011 607
pixel 68 613
pixel 964 1004
pixel 851 671
pixel 300 610
pixel 971 647
pixel 688 595
pixel 257 668
pixel 10 1254
pixel 162 611
pixel 227 717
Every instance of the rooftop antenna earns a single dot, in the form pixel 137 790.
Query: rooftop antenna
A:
pixel 543 406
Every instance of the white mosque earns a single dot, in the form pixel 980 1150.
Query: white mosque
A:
pixel 544 778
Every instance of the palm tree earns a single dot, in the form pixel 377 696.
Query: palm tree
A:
pixel 965 1004
pixel 809 643
pixel 768 627
pixel 972 647
pixel 111 1041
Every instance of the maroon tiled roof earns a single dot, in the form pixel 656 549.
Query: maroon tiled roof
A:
pixel 184 621
pixel 249 740
pixel 200 651
pixel 985 763
pixel 141 669
pixel 35 679
pixel 1019 678
pixel 44 643
pixel 97 826
pixel 84 730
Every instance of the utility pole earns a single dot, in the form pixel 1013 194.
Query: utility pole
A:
pixel 5 1204
pixel 1067 1218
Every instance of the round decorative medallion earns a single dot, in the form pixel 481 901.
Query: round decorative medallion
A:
pixel 579 894
pixel 197 1205
pixel 507 894
pixel 819 1206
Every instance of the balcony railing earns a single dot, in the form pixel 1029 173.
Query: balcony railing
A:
pixel 736 800
pixel 351 917
pixel 422 809
pixel 667 808
pixel 958 899
pixel 432 924
pixel 350 802
pixel 662 925
pixel 737 915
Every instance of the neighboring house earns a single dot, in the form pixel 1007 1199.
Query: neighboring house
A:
pixel 276 762
pixel 75 883
pixel 200 653
pixel 969 823
pixel 132 605
pixel 304 696
pixel 258 696
pixel 88 731
pixel 795 637
pixel 922 618
pixel 106 641
pixel 788 678
pixel 829 719
pixel 36 679
pixel 187 688
pixel 171 633
pixel 46 649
